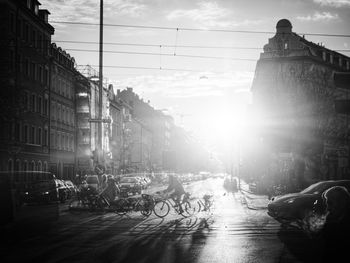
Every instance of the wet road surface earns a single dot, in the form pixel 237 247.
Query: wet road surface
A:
pixel 237 229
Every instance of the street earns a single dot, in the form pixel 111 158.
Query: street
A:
pixel 237 229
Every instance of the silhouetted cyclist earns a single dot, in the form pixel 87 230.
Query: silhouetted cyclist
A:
pixel 175 190
pixel 111 191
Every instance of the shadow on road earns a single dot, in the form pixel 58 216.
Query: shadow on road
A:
pixel 178 240
pixel 301 246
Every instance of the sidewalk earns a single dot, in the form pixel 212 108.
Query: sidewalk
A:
pixel 253 201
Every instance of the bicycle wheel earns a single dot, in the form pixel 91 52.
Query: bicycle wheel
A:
pixel 161 209
pixel 187 209
pixel 121 206
pixel 145 208
pixel 196 205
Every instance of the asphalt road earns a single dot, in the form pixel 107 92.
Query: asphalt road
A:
pixel 237 229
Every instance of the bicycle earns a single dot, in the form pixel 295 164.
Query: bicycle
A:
pixel 162 206
pixel 85 199
pixel 144 205
pixel 207 204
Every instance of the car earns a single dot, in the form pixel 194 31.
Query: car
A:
pixel 93 181
pixel 130 185
pixel 43 191
pixel 297 209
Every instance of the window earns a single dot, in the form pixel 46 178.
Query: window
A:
pixel 32 135
pixel 46 134
pixel 59 112
pixel 45 167
pixel 20 62
pixel 33 70
pixel 20 28
pixel 10 165
pixel 17 165
pixel 36 9
pixel 17 132
pixel 25 100
pixel 63 115
pixel 46 77
pixel 40 73
pixel 68 117
pixel 12 23
pixel 52 140
pixel 63 142
pixel 39 138
pixel 39 166
pixel 33 40
pixel 58 141
pixel 25 133
pixel 46 105
pixel 46 45
pixel 53 110
pixel 32 103
pixel 29 4
pixel 39 106
pixel 26 32
pixel 59 86
pixel 12 59
pixel 32 166
pixel 26 66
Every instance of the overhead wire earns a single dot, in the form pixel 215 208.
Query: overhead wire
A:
pixel 194 29
pixel 160 53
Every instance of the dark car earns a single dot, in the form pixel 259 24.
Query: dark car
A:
pixel 130 185
pixel 298 209
pixel 45 191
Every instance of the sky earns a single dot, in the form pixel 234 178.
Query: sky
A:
pixel 205 95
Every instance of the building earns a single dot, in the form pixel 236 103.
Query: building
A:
pixel 88 118
pixel 24 78
pixel 62 112
pixel 84 156
pixel 140 146
pixel 294 95
pixel 155 121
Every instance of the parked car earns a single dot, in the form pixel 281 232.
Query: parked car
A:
pixel 130 185
pixel 44 191
pixel 72 189
pixel 296 209
pixel 92 180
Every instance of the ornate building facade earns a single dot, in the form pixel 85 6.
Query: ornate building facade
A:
pixel 294 94
pixel 62 114
pixel 24 78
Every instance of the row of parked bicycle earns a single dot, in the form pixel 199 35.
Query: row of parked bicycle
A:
pixel 159 203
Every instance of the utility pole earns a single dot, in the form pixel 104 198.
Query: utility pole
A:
pixel 100 85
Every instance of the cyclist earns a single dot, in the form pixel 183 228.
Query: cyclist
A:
pixel 111 191
pixel 175 190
